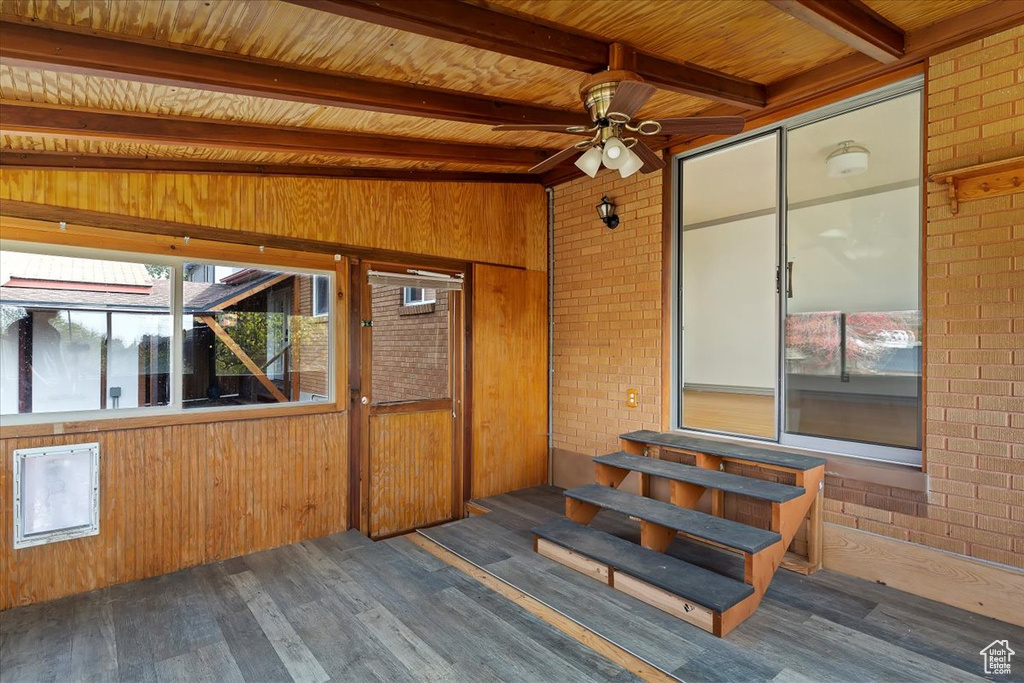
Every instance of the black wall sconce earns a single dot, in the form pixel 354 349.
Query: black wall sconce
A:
pixel 606 210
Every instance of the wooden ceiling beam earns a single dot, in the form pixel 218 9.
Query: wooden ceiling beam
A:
pixel 494 31
pixel 82 162
pixel 920 45
pixel 850 22
pixel 30 119
pixel 476 26
pixel 69 52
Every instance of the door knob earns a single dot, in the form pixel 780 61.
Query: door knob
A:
pixel 364 400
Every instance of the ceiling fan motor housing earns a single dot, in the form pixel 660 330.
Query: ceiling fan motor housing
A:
pixel 598 90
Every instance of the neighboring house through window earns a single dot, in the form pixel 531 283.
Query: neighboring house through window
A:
pixel 412 296
pixel 81 334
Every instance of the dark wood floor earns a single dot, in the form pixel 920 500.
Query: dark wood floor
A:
pixel 339 608
pixel 825 627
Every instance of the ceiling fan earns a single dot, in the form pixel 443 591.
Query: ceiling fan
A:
pixel 612 98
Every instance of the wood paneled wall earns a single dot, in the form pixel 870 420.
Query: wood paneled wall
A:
pixel 411 470
pixel 484 222
pixel 177 496
pixel 510 390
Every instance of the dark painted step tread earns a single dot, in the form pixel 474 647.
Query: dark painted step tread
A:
pixel 729 450
pixel 722 531
pixel 688 581
pixel 723 481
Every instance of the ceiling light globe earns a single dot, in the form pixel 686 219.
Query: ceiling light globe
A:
pixel 590 161
pixel 615 153
pixel 632 165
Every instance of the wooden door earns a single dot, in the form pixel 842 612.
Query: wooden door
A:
pixel 411 350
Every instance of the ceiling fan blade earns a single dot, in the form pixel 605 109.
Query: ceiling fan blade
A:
pixel 545 128
pixel 652 160
pixel 630 96
pixel 702 125
pixel 554 160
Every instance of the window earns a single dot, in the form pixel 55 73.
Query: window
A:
pixel 321 295
pixel 90 332
pixel 413 296
pixel 253 337
pixel 81 334
pixel 799 316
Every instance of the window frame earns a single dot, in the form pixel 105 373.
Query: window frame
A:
pixel 315 297
pixel 870 452
pixel 407 301
pixel 176 407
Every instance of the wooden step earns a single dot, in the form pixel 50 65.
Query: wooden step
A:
pixel 695 584
pixel 723 532
pixel 732 451
pixel 713 479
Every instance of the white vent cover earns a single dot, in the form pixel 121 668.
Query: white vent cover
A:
pixel 56 493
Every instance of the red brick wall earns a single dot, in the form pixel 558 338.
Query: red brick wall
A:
pixel 607 307
pixel 310 338
pixel 410 347
pixel 975 310
pixel 608 317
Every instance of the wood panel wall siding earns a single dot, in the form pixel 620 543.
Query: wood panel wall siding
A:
pixel 178 496
pixel 411 470
pixel 510 352
pixel 493 223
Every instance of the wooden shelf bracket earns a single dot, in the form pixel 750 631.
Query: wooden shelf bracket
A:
pixel 981 181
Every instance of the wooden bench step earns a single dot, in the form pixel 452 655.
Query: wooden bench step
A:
pixel 754 454
pixel 722 481
pixel 724 532
pixel 695 584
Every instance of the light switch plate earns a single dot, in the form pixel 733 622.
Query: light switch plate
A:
pixel 632 398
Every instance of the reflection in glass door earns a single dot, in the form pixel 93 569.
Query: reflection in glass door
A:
pixel 729 313
pixel 852 306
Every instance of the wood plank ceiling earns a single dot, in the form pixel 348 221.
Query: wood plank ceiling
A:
pixel 411 88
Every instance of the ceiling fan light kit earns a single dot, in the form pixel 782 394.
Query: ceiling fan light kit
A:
pixel 612 98
pixel 590 161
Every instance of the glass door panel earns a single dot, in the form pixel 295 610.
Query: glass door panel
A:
pixel 852 277
pixel 729 316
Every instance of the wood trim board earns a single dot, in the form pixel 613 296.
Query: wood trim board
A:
pixel 988 589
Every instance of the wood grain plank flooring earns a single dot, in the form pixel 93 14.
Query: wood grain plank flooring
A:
pixel 824 627
pixel 338 608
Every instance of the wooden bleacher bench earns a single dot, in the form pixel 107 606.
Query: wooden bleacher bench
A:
pixel 704 598
pixel 722 481
pixel 723 532
pixel 692 593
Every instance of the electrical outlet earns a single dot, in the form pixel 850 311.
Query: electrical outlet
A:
pixel 632 398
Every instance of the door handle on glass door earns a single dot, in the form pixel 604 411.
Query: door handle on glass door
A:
pixel 789 279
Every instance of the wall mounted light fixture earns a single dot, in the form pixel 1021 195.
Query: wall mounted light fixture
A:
pixel 606 211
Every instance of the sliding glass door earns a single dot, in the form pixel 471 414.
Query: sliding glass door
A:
pixel 799 281
pixel 729 315
pixel 852 306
